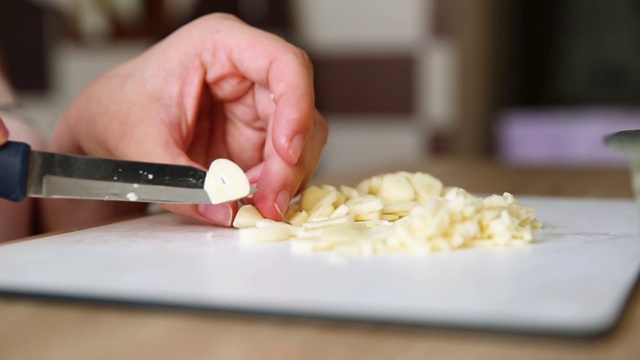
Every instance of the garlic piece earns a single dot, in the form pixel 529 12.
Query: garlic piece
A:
pixel 225 181
pixel 395 188
pixel 247 216
pixel 310 197
pixel 425 186
pixel 264 234
pixel 396 213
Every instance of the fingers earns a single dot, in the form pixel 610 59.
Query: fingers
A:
pixel 294 114
pixel 277 184
pixel 279 181
pixel 272 63
pixel 286 72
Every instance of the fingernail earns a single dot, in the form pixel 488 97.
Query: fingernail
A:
pixel 296 146
pixel 282 201
pixel 220 214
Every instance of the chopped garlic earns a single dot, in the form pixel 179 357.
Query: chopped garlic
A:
pixel 394 213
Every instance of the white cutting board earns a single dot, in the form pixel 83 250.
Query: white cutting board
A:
pixel 574 280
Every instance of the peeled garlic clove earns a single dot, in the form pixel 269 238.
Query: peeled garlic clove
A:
pixel 395 188
pixel 425 186
pixel 225 181
pixel 364 205
pixel 326 201
pixel 265 234
pixel 494 201
pixel 328 188
pixel 389 217
pixel 341 210
pixel 349 192
pixel 321 211
pixel 293 209
pixel 364 186
pixel 376 183
pixel 375 215
pixel 328 222
pixel 310 197
pixel 247 216
pixel 399 207
pixel 340 199
pixel 271 224
pixel 299 218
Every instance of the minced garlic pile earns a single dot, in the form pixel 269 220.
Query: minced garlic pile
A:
pixel 398 212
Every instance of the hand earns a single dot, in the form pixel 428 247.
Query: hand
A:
pixel 215 88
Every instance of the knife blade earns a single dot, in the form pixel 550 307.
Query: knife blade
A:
pixel 27 173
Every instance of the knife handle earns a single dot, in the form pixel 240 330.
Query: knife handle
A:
pixel 14 167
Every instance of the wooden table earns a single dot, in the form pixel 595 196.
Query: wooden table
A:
pixel 41 329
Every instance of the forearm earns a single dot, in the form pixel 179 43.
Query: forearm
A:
pixel 7 96
pixel 7 99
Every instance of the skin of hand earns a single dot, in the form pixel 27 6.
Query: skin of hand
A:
pixel 214 88
pixel 6 97
pixel 4 133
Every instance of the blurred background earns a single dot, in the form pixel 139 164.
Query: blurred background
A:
pixel 524 82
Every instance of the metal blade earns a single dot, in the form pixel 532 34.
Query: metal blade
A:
pixel 82 177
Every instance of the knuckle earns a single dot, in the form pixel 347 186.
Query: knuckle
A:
pixel 301 57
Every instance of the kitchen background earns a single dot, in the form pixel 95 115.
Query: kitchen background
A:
pixel 529 83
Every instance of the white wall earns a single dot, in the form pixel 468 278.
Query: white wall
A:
pixel 73 67
pixel 343 27
pixel 355 25
pixel 358 144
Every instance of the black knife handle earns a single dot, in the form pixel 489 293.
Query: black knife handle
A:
pixel 14 168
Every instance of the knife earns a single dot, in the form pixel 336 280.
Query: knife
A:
pixel 26 173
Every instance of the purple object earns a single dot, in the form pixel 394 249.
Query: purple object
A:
pixel 568 137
